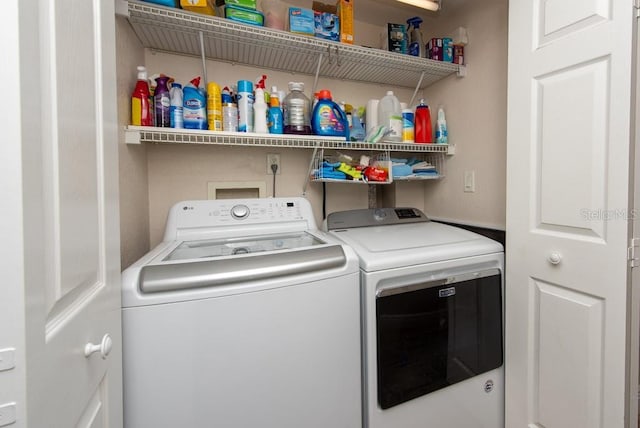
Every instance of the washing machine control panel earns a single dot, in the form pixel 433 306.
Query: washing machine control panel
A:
pixel 188 216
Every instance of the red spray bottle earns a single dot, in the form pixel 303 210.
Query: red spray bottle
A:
pixel 140 106
pixel 422 124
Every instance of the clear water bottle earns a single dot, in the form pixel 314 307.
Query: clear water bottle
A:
pixel 176 117
pixel 390 115
pixel 296 110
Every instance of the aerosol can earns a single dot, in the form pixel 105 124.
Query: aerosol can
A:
pixel 416 47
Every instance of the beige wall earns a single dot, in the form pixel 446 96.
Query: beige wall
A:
pixel 154 177
pixel 134 197
pixel 476 111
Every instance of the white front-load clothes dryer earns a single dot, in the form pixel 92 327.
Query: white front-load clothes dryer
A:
pixel 432 320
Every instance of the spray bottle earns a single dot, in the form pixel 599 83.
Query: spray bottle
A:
pixel 416 47
pixel 442 135
pixel 260 109
pixel 274 115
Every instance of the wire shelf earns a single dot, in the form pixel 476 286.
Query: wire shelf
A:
pixel 178 31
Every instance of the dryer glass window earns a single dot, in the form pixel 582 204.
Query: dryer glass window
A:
pixel 435 334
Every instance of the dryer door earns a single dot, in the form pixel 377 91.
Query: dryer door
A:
pixel 436 333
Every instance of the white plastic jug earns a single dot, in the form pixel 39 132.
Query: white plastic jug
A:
pixel 390 115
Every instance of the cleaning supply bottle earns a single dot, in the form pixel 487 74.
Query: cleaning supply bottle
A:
pixel 416 47
pixel 274 115
pixel 260 113
pixel 214 106
pixel 423 129
pixel 140 107
pixel 442 135
pixel 245 106
pixel 296 109
pixel 328 119
pixel 162 102
pixel 390 116
pixel 356 132
pixel 194 105
pixel 175 110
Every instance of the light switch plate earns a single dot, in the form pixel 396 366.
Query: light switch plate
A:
pixel 469 181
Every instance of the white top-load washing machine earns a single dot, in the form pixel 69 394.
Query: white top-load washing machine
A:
pixel 432 320
pixel 245 316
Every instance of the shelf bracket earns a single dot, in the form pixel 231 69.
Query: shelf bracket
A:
pixel 315 80
pixel 204 61
pixel 462 71
pixel 413 97
pixel 306 181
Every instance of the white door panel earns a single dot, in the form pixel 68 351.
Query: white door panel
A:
pixel 73 285
pixel 568 212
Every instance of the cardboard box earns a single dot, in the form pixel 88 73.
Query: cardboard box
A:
pixel 301 21
pixel 345 15
pixel 397 37
pixel 447 49
pixel 326 22
pixel 205 7
pixel 458 54
pixel 434 49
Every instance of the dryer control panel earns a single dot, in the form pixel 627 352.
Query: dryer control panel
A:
pixel 374 217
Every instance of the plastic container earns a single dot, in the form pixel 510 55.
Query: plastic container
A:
pixel 230 117
pixel 442 135
pixel 408 131
pixel 328 119
pixel 356 132
pixel 275 13
pixel 423 129
pixel 162 102
pixel 194 105
pixel 295 109
pixel 260 113
pixel 214 107
pixel 176 119
pixel 274 115
pixel 245 106
pixel 390 116
pixel 140 105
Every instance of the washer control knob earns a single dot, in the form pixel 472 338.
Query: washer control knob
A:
pixel 554 258
pixel 379 215
pixel 240 211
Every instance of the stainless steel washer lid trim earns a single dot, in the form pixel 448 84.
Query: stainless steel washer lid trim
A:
pixel 182 276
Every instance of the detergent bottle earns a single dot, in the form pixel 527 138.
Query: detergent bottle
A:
pixel 327 118
pixel 162 102
pixel 416 47
pixel 274 115
pixel 295 109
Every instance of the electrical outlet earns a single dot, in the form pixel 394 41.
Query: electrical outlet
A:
pixel 469 181
pixel 273 159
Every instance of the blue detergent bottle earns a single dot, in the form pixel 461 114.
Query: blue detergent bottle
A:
pixel 328 119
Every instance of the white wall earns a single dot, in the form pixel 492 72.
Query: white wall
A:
pixel 154 177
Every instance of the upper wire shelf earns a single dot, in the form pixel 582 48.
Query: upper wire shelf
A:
pixel 178 31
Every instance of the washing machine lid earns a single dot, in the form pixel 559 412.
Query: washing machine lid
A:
pixel 398 245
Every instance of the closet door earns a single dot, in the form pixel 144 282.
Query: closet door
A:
pixel 70 232
pixel 569 213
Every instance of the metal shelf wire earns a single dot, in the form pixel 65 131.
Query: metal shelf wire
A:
pixel 178 31
pixel 147 134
